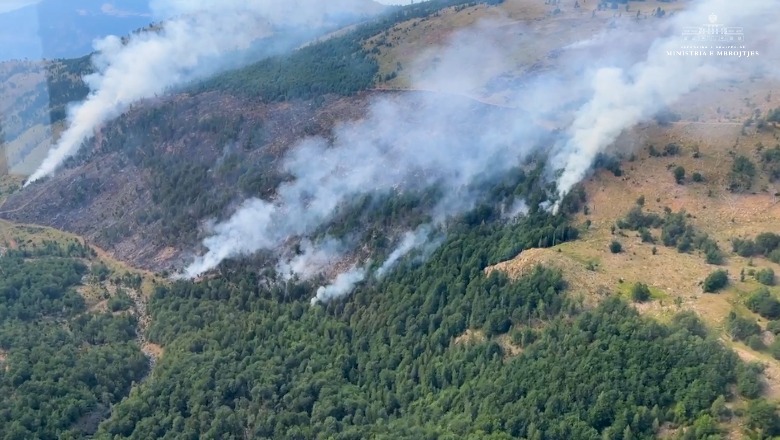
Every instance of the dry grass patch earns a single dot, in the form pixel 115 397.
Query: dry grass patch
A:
pixel 510 350
pixel 674 278
pixel 470 337
pixel 153 350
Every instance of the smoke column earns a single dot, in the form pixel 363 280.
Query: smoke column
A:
pixel 410 241
pixel 342 285
pixel 313 259
pixel 623 97
pixel 405 142
pixel 152 62
pixel 442 137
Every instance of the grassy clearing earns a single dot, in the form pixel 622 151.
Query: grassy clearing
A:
pixel 674 278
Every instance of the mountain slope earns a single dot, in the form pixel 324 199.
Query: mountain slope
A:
pixel 514 322
pixel 151 177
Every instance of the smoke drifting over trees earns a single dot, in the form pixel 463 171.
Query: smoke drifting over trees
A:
pixel 626 95
pixel 440 138
pixel 185 48
pixel 413 141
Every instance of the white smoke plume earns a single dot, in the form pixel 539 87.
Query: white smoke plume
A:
pixel 411 240
pixel 313 259
pixel 625 96
pixel 405 143
pixel 442 136
pixel 518 208
pixel 187 47
pixel 341 286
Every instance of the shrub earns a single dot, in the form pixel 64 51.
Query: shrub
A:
pixel 773 326
pixel 636 219
pixel 743 248
pixel 756 343
pixel 749 382
pixel 774 348
pixel 646 236
pixel 679 174
pixel 671 150
pixel 653 151
pixel 762 416
pixel 615 247
pixel 640 292
pixel 741 328
pixel 764 303
pixel 771 162
pixel 766 277
pixel 120 302
pixel 713 255
pixel 691 322
pixel 697 177
pixel 716 281
pixel 742 173
pixel 767 242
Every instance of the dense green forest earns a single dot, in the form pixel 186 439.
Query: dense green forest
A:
pixel 437 349
pixel 340 65
pixel 246 358
pixel 61 368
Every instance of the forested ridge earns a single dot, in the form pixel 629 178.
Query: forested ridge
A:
pixel 340 65
pixel 437 349
pixel 246 358
pixel 155 173
pixel 61 366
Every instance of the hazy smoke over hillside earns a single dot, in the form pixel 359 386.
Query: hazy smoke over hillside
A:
pixel 313 259
pixel 410 142
pixel 342 285
pixel 405 143
pixel 410 241
pixel 436 136
pixel 625 96
pixel 187 46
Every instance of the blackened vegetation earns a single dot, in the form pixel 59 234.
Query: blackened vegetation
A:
pixel 167 164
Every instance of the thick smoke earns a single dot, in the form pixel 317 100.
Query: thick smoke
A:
pixel 187 47
pixel 405 143
pixel 441 136
pixel 313 259
pixel 342 285
pixel 625 96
